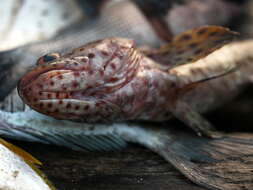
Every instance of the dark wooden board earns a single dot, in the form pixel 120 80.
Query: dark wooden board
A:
pixel 134 168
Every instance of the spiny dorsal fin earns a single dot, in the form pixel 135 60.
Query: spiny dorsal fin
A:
pixel 26 156
pixel 193 45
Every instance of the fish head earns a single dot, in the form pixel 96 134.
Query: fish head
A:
pixel 74 86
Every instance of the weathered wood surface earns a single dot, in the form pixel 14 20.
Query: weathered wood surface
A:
pixel 134 168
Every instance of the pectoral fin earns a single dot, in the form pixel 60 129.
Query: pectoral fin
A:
pixel 193 45
pixel 194 120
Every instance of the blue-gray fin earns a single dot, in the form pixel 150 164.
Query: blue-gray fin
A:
pixel 32 126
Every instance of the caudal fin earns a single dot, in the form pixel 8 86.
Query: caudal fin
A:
pixel 224 164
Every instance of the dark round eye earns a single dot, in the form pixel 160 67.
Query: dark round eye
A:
pixel 48 58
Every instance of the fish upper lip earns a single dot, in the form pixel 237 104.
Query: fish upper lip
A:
pixel 34 74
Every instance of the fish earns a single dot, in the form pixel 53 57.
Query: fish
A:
pixel 18 170
pixel 206 81
pixel 110 80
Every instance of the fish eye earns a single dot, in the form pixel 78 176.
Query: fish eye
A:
pixel 48 58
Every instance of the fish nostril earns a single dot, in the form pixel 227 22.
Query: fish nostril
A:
pixel 91 55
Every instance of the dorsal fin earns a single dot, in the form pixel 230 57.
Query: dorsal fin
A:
pixel 23 154
pixel 193 45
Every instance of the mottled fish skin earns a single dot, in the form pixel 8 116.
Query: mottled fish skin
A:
pixel 110 80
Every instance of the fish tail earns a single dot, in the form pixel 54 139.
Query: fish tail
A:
pixel 223 164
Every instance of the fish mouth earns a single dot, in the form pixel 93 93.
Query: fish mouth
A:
pixel 35 73
pixel 42 90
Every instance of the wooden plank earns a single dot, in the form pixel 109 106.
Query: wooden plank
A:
pixel 134 168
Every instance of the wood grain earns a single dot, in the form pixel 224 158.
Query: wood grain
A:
pixel 134 168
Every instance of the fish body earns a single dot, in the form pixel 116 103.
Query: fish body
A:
pixel 111 80
pixel 17 170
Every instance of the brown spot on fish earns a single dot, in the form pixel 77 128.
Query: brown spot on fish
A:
pixel 185 37
pixel 41 105
pixel 77 107
pixel 60 102
pixel 49 105
pixel 49 96
pixel 113 79
pixel 193 45
pixel 60 77
pixel 52 83
pixel 113 66
pixel 76 74
pixel 202 31
pixel 91 55
pixel 105 53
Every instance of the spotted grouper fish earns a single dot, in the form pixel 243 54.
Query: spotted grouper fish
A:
pixel 111 80
pixel 105 86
